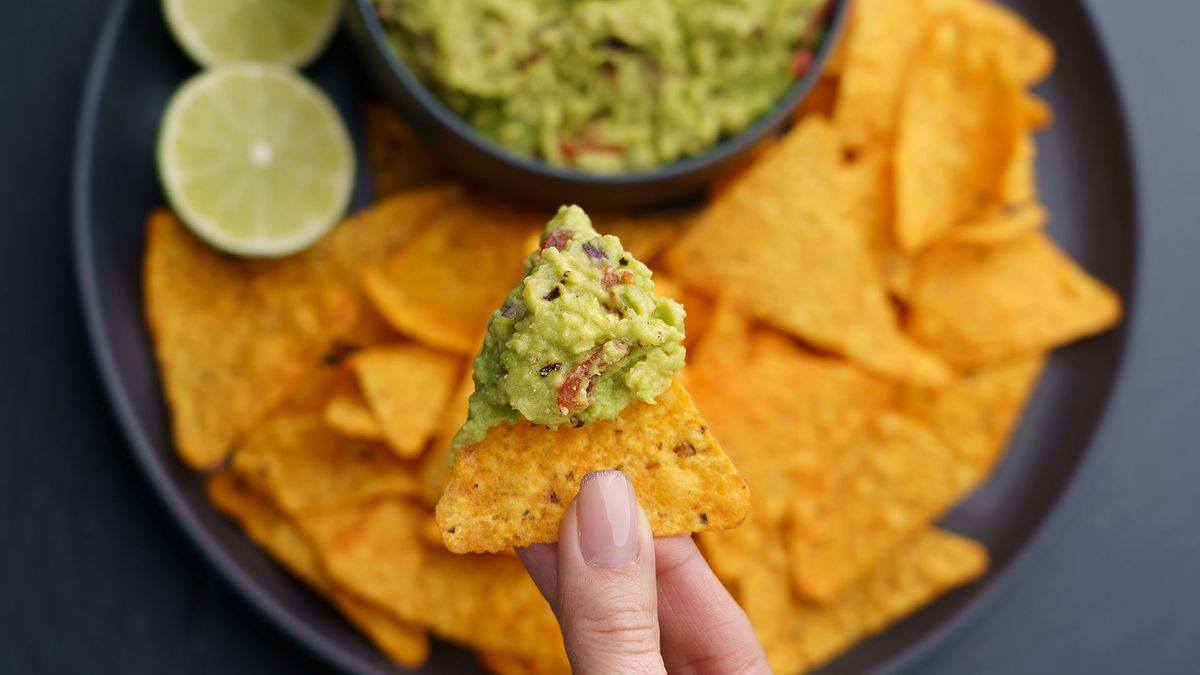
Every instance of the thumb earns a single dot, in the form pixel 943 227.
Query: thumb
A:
pixel 607 597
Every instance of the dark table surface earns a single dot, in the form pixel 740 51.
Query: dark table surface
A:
pixel 94 577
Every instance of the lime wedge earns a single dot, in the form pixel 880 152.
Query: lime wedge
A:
pixel 255 159
pixel 288 32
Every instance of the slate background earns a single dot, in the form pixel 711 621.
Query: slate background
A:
pixel 95 578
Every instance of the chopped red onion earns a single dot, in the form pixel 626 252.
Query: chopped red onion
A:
pixel 557 239
pixel 593 252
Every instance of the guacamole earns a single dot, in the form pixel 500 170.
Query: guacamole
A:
pixel 607 85
pixel 579 339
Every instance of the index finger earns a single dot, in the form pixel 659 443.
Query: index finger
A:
pixel 703 628
pixel 541 561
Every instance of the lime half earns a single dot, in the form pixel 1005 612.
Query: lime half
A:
pixel 288 32
pixel 255 159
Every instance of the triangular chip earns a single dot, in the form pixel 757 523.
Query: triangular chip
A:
pixel 976 413
pixel 1000 227
pixel 865 497
pixel 799 636
pixel 503 664
pixel 1026 56
pixel 776 408
pixel 957 131
pixel 441 287
pixel 777 244
pixel 879 46
pixel 404 643
pixel 406 387
pixel 232 336
pixel 487 601
pixel 818 446
pixel 512 488
pixel 645 236
pixel 980 304
pixel 435 464
pixel 303 465
pixel 1020 179
pixel 348 414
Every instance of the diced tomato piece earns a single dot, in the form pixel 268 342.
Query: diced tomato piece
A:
pixel 610 278
pixel 801 61
pixel 557 239
pixel 584 375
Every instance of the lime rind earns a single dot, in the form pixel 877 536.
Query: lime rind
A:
pixel 284 32
pixel 213 127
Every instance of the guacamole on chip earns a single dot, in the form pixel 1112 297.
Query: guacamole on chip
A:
pixel 607 85
pixel 578 340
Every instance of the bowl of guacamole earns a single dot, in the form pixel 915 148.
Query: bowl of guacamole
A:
pixel 606 102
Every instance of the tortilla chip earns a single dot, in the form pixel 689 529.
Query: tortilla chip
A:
pixel 699 311
pixel 1019 185
pixel 865 497
pixel 695 305
pixel 442 286
pixel 364 239
pixel 798 636
pixel 777 408
pixel 644 236
pixel 312 391
pixel 343 408
pixel 232 336
pixel 959 122
pixel 404 643
pixel 489 602
pixel 512 488
pixel 435 465
pixel 982 304
pixel 867 182
pixel 732 175
pixel 1026 56
pixel 882 39
pixel 373 549
pixel 302 465
pixel 1036 111
pixel 398 160
pixel 820 99
pixel 897 275
pixel 503 664
pixel 406 387
pixel 348 414
pixel 726 343
pixel 777 245
pixel 1000 227
pixel 976 414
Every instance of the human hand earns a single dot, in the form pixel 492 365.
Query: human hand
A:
pixel 628 603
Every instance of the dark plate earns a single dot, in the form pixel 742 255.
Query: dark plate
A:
pixel 1085 178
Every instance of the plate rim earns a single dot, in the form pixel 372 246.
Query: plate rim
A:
pixel 329 650
pixel 908 658
pixel 294 627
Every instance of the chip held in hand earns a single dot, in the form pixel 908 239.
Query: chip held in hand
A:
pixel 512 488
pixel 577 374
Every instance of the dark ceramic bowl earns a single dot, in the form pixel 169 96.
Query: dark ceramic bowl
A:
pixel 479 158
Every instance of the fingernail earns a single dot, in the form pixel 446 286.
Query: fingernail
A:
pixel 607 516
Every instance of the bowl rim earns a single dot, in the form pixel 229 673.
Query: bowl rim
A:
pixel 721 152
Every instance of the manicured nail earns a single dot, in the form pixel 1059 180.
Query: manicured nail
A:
pixel 607 516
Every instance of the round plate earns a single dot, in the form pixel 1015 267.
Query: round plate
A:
pixel 1086 180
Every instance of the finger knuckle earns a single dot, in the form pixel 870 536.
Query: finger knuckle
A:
pixel 621 619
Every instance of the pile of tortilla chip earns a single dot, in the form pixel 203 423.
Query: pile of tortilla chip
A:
pixel 871 302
